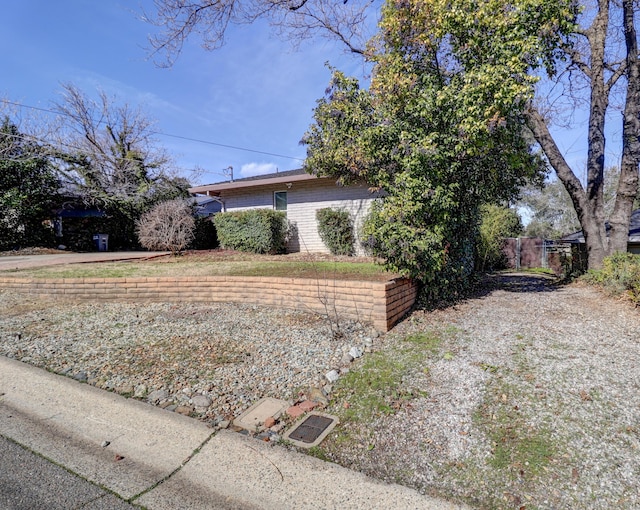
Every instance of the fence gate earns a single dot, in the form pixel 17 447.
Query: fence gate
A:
pixel 528 252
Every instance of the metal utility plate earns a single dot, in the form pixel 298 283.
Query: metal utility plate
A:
pixel 253 418
pixel 311 430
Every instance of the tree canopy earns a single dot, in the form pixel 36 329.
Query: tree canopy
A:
pixel 549 210
pixel 597 66
pixel 547 59
pixel 108 159
pixel 433 141
pixel 28 190
pixel 106 151
pixel 347 21
pixel 543 55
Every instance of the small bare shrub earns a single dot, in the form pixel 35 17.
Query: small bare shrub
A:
pixel 168 226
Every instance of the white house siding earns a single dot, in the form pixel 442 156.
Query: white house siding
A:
pixel 303 200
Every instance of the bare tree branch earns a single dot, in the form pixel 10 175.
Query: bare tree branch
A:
pixel 105 150
pixel 296 20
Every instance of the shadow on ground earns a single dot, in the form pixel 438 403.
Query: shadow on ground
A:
pixel 518 282
pixel 506 281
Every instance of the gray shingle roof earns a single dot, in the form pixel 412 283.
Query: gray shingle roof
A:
pixel 634 230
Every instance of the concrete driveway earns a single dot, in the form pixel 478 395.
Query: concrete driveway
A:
pixel 13 262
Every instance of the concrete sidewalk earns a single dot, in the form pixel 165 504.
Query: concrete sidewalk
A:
pixel 163 460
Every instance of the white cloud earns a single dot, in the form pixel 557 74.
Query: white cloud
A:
pixel 251 169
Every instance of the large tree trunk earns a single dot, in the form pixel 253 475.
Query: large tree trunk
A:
pixel 589 202
pixel 628 182
pixel 591 229
pixel 599 102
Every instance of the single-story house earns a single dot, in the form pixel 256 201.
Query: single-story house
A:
pixel 633 245
pixel 299 195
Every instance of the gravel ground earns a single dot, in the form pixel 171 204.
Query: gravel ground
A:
pixel 208 361
pixel 532 401
pixel 527 396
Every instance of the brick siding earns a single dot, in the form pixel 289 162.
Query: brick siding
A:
pixel 304 199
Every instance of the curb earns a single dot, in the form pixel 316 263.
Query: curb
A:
pixel 164 460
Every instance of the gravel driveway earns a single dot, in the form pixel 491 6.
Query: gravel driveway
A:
pixel 531 400
pixel 527 396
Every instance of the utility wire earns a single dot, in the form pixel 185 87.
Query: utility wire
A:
pixel 226 146
pixel 162 133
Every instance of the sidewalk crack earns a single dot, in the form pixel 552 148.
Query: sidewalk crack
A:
pixel 176 470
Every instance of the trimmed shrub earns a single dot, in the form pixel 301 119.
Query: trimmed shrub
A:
pixel 336 230
pixel 620 275
pixel 253 230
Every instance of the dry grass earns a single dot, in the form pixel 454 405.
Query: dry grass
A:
pixel 222 263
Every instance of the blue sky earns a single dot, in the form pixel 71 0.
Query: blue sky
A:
pixel 255 93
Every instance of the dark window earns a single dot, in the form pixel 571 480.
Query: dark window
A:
pixel 280 200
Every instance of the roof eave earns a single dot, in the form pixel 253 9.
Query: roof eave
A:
pixel 224 186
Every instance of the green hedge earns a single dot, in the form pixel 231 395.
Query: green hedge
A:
pixel 620 275
pixel 253 230
pixel 336 230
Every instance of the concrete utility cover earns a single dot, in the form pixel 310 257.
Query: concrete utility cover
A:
pixel 253 418
pixel 311 430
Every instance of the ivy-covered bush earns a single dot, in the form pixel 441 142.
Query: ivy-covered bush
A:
pixel 77 233
pixel 437 254
pixel 336 230
pixel 620 275
pixel 496 223
pixel 253 230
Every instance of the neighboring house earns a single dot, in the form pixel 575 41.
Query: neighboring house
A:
pixel 633 245
pixel 206 206
pixel 300 195
pixel 74 211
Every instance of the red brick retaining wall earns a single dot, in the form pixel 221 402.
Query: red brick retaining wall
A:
pixel 380 303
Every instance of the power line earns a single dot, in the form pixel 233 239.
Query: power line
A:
pixel 226 146
pixel 169 135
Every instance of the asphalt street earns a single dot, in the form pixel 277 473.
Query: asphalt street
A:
pixel 31 482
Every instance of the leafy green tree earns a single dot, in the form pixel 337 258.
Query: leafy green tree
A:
pixel 28 191
pixel 550 58
pixel 496 223
pixel 551 210
pixel 412 134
